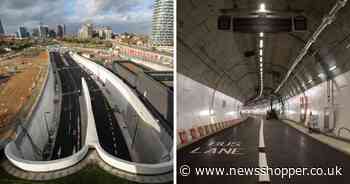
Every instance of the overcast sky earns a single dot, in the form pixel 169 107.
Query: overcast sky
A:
pixel 121 15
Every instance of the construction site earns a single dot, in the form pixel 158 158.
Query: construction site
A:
pixel 21 79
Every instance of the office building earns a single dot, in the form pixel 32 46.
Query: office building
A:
pixel 86 31
pixel 22 32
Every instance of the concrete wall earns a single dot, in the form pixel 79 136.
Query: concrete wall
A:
pixel 154 66
pixel 200 106
pixel 33 135
pixel 12 153
pixel 194 103
pixel 91 131
pixel 21 151
pixel 15 155
pixel 157 94
pixel 131 167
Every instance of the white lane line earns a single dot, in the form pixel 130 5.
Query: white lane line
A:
pixel 263 164
pixel 261 135
pixel 262 155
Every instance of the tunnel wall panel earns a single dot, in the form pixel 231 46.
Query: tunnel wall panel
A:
pixel 322 109
pixel 197 110
pixel 194 101
pixel 317 108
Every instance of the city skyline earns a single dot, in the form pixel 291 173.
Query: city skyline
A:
pixel 122 16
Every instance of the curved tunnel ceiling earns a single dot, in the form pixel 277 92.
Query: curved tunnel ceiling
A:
pixel 227 61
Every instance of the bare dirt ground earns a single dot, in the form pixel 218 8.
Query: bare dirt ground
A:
pixel 23 76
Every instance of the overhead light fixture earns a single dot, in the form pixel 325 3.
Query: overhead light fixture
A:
pixel 261 34
pixel 310 81
pixel 260 59
pixel 261 43
pixel 262 7
pixel 332 68
pixel 321 75
pixel 260 52
pixel 261 65
pixel 206 112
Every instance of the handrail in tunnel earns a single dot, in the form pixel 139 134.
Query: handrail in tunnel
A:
pixel 342 128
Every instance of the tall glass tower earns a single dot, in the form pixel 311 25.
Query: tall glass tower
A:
pixel 163 23
pixel 2 31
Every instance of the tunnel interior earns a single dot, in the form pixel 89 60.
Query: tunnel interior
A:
pixel 277 73
pixel 229 60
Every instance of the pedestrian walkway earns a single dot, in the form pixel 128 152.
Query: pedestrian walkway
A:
pixel 338 144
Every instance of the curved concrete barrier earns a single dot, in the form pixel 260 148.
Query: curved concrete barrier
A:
pixel 43 166
pixel 132 98
pixel 132 167
pixel 91 134
pixel 14 155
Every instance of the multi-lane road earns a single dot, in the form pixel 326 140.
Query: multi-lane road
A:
pixel 68 140
pixel 108 130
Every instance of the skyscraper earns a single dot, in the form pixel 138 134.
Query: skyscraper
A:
pixel 105 33
pixel 64 29
pixel 86 31
pixel 162 23
pixel 22 32
pixel 60 31
pixel 35 32
pixel 2 31
pixel 43 31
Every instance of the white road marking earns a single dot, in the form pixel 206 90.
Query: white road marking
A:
pixel 261 134
pixel 262 155
pixel 263 164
